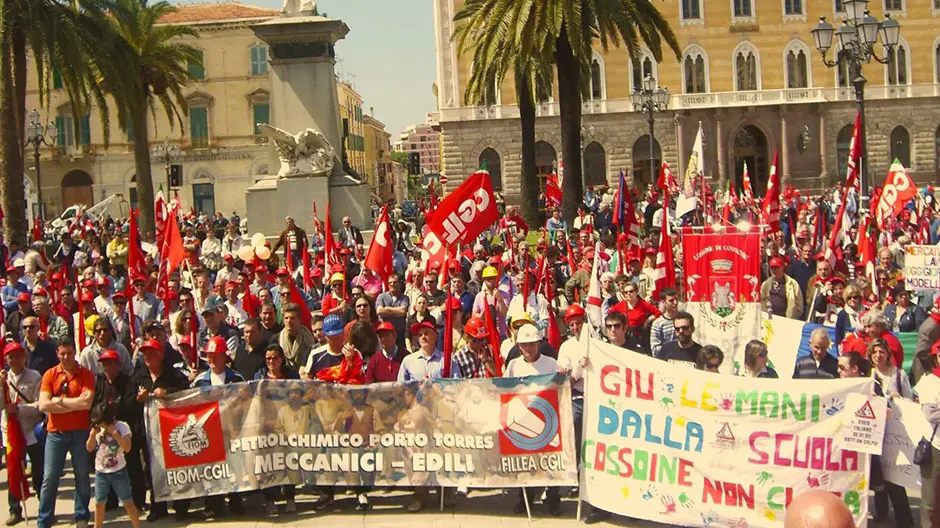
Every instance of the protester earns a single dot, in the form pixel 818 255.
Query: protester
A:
pixel 21 386
pixel 902 314
pixel 756 359
pixel 41 352
pixel 780 294
pixel 250 356
pixel 819 364
pixel 384 365
pixel 663 328
pixel 847 320
pixel 684 350
pixel 110 439
pixel 709 358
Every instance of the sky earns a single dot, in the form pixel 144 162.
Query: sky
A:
pixel 388 55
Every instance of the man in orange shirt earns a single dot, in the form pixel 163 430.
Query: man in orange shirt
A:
pixel 65 396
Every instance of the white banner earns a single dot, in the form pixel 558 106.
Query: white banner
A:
pixel 691 448
pixel 905 427
pixel 922 267
pixel 729 331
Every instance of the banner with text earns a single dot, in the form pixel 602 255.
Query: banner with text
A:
pixel 495 433
pixel 922 268
pixel 692 448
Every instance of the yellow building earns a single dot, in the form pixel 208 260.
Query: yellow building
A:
pixel 350 111
pixel 219 149
pixel 378 158
pixel 749 73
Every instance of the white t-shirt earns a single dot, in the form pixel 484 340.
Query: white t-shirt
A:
pixel 216 379
pixel 519 367
pixel 110 457
pixel 569 356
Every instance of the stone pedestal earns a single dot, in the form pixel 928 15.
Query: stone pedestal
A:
pixel 303 95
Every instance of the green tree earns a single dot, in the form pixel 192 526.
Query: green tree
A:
pixel 147 68
pixel 496 55
pixel 56 33
pixel 400 158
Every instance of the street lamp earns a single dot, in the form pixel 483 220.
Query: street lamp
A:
pixel 37 135
pixel 858 36
pixel 650 98
pixel 167 153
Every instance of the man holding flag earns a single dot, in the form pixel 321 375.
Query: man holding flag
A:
pixel 20 388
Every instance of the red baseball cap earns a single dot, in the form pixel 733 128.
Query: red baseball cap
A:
pixel 23 297
pixel 317 272
pixel 416 328
pixel 12 347
pixel 385 326
pixel 186 340
pixel 119 295
pixel 109 354
pixel 103 281
pixel 151 344
pixel 11 269
pixel 231 283
pixel 88 297
pixel 776 262
pixel 282 271
pixel 228 256
pixel 216 346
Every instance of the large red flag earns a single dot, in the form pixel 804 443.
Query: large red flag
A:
pixel 493 332
pixel 552 191
pixel 855 153
pixel 173 245
pixel 867 245
pixel 667 182
pixel 771 211
pixel 665 260
pixel 899 188
pixel 136 265
pixel 295 297
pixel 381 249
pixel 250 303
pixel 160 213
pixel 448 334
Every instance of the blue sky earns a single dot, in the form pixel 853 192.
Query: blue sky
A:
pixel 390 52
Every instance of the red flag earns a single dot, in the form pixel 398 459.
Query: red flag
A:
pixel 37 231
pixel 308 281
pixel 899 188
pixel 466 212
pixel 552 190
pixel 306 318
pixel 448 335
pixel 381 249
pixel 867 243
pixel 855 153
pixel 317 226
pixel 834 243
pixel 250 303
pixel 331 256
pixel 160 213
pixel 81 317
pixel 1 213
pixel 665 260
pixel 493 332
pixel 771 211
pixel 572 265
pixel 173 251
pixel 747 190
pixel 136 265
pixel 667 182
pixel 16 451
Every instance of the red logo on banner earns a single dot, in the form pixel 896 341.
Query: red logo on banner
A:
pixel 529 423
pixel 192 435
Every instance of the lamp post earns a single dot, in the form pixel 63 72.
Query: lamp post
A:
pixel 858 37
pixel 650 99
pixel 37 135
pixel 167 152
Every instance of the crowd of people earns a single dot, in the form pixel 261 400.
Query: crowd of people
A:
pixel 88 343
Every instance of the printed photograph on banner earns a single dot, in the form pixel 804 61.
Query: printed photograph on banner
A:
pixel 495 433
pixel 695 448
pixel 864 428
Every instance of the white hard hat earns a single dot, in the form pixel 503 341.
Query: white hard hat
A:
pixel 528 334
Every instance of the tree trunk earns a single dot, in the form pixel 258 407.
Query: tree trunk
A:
pixel 142 166
pixel 11 150
pixel 18 43
pixel 569 102
pixel 529 183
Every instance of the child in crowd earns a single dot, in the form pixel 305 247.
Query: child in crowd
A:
pixel 109 440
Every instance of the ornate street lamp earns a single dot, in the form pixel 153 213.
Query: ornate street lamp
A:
pixel 38 135
pixel 166 152
pixel 650 98
pixel 858 38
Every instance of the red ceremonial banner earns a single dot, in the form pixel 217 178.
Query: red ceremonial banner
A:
pixel 722 269
pixel 463 215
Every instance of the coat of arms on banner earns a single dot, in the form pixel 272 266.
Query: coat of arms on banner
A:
pixel 192 435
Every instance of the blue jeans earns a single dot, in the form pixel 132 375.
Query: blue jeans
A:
pixel 57 445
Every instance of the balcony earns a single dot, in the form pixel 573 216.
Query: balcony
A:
pixel 704 100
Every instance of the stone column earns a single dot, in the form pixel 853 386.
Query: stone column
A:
pixel 722 155
pixel 823 162
pixel 680 152
pixel 784 149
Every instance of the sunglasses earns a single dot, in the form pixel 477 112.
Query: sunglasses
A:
pixel 854 297
pixel 712 366
pixel 99 330
pixel 30 327
pixel 613 326
pixel 683 328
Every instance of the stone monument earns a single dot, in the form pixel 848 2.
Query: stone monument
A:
pixel 305 131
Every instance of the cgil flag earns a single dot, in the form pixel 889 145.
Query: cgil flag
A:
pixel 594 299
pixel 381 249
pixel 665 260
pixel 855 154
pixel 771 212
pixel 898 190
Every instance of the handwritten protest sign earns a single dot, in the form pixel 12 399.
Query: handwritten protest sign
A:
pixel 693 448
pixel 904 428
pixel 922 267
pixel 496 433
pixel 864 427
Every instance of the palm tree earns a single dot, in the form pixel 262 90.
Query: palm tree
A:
pixel 51 30
pixel 609 21
pixel 148 66
pixel 494 55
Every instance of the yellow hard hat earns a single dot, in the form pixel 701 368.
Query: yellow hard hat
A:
pixel 337 277
pixel 489 272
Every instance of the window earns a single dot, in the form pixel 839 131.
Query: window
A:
pixel 204 198
pixel 691 9
pixel 897 67
pixel 695 70
pixel 746 69
pixel 894 5
pixel 259 59
pixel 742 8
pixel 56 79
pixel 598 88
pixel 199 126
pixel 543 89
pixel 793 7
pixel 901 146
pixel 842 74
pixel 843 145
pixel 130 129
pixel 65 131
pixel 797 68
pixel 260 113
pixel 197 70
pixel 837 6
pixel 642 66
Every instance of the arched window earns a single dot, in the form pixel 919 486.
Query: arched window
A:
pixel 797 67
pixel 843 144
pixel 642 65
pixel 545 158
pixel 493 164
pixel 746 68
pixel 598 79
pixel 901 146
pixel 595 165
pixel 695 70
pixel 897 70
pixel 645 163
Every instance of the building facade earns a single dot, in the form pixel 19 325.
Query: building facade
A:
pixel 425 139
pixel 378 158
pixel 748 73
pixel 220 149
pixel 351 114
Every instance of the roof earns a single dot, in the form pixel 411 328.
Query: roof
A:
pixel 201 13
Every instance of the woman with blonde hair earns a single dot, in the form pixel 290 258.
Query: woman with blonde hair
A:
pixel 755 361
pixel 847 320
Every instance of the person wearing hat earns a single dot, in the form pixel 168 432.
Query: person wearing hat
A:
pixel 282 280
pixel 87 300
pixel 155 379
pixel 146 305
pixel 65 396
pixel 23 384
pixel 261 281
pixel 236 316
pixel 114 386
pixel 121 321
pixel 572 359
pixel 103 303
pixel 510 347
pixel 317 289
pixel 780 294
pixel 384 365
pixel 213 315
pixel 335 301
pixel 329 355
pixel 23 308
pixel 228 271
pixel 12 289
pixel 492 298
pixel 532 363
pixel 117 249
pixel 40 350
pixel 476 358
pixel 103 339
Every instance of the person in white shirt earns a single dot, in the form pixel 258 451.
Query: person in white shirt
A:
pixel 23 385
pixel 228 272
pixel 536 305
pixel 233 305
pixel 532 363
pixel 572 358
